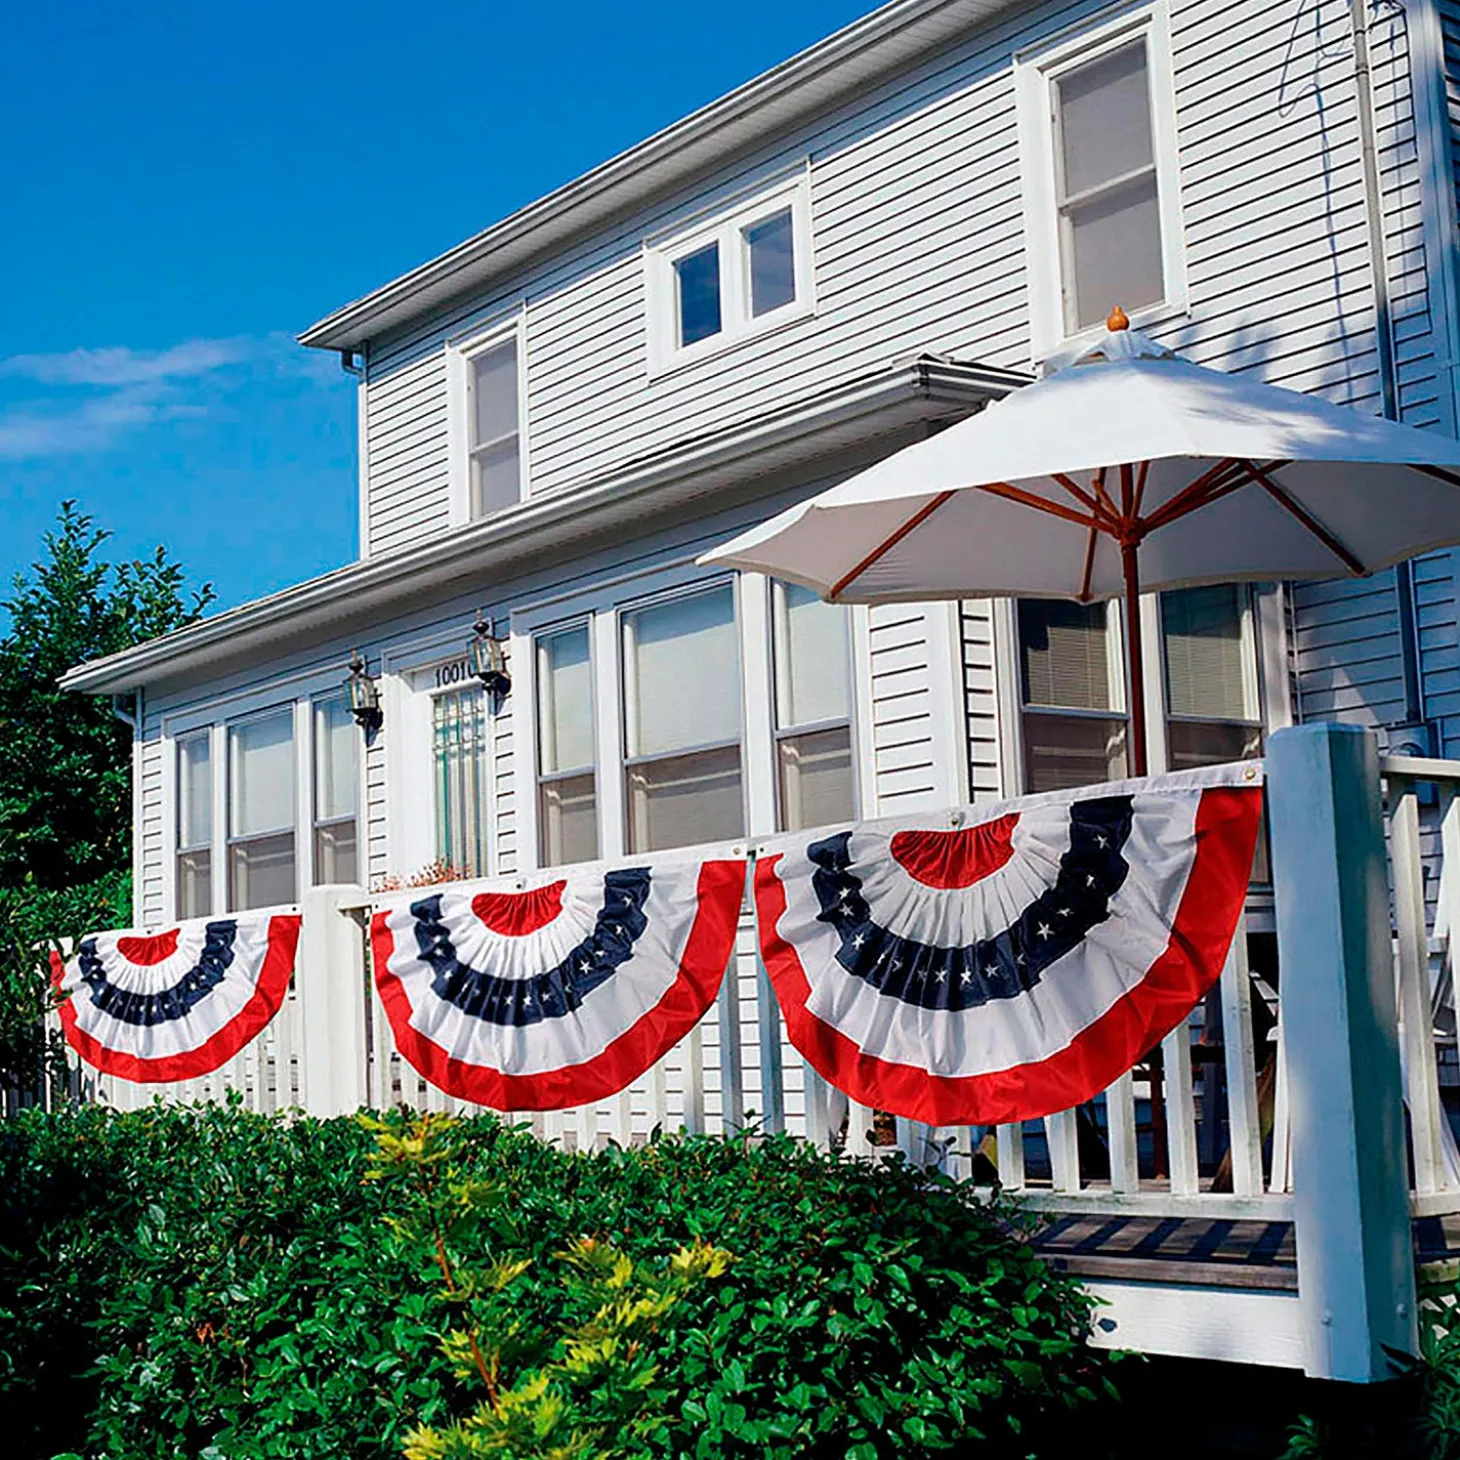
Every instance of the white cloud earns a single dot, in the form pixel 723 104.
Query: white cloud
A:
pixel 89 400
pixel 119 366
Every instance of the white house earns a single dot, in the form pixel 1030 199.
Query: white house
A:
pixel 868 242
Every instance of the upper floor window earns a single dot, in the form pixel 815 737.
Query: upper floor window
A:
pixel 261 803
pixel 1097 132
pixel 681 661
pixel 746 271
pixel 567 802
pixel 336 792
pixel 194 893
pixel 812 661
pixel 494 446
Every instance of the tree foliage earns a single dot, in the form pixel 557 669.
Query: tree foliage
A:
pixel 65 777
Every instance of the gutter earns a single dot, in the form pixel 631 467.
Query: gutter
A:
pixel 681 153
pixel 856 409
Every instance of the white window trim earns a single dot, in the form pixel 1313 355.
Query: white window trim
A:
pixel 459 355
pixel 1034 73
pixel 736 322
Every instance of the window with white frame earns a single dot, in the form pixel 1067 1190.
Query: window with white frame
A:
pixel 493 437
pixel 1073 704
pixel 681 668
pixel 1208 643
pixel 194 877
pixel 336 792
pixel 567 803
pixel 261 809
pixel 461 765
pixel 812 663
pixel 745 272
pixel 1102 205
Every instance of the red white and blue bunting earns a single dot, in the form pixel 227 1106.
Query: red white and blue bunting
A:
pixel 562 992
pixel 1016 966
pixel 178 1004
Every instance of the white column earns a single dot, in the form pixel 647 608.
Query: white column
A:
pixel 330 982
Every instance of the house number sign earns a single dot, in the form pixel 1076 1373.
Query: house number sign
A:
pixel 456 671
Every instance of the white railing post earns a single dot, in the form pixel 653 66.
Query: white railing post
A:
pixel 1350 1182
pixel 330 987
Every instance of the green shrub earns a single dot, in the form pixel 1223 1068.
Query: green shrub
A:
pixel 208 1283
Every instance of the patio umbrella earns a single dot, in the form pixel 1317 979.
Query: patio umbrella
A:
pixel 1127 471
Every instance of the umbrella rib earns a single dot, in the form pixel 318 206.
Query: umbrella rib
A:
pixel 1301 513
pixel 1041 504
pixel 888 543
pixel 1194 494
pixel 1440 475
pixel 1089 565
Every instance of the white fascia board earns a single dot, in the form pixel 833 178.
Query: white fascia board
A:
pixel 858 409
pixel 890 39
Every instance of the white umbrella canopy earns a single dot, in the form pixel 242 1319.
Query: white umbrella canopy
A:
pixel 1228 480
pixel 1127 471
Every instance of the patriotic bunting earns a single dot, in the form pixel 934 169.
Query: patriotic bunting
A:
pixel 178 1004
pixel 1014 967
pixel 561 993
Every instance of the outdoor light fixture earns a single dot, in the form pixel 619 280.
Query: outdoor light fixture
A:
pixel 488 659
pixel 364 695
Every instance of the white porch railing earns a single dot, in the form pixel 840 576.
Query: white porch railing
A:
pixel 1201 1130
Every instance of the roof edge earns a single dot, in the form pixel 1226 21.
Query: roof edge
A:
pixel 566 514
pixel 646 163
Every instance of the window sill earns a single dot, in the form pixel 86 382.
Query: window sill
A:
pixel 727 341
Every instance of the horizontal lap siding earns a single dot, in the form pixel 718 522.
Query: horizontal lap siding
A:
pixel 148 903
pixel 980 699
pixel 904 737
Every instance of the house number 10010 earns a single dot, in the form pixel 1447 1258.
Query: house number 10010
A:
pixel 454 673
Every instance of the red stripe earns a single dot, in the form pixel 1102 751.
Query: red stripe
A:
pixel 516 914
pixel 707 953
pixel 947 859
pixel 144 952
pixel 267 999
pixel 1226 836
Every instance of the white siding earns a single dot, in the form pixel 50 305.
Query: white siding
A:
pixel 904 736
pixel 980 700
pixel 148 896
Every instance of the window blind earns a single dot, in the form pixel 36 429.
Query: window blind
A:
pixel 335 766
pixel 682 673
pixel 564 701
pixel 194 791
pixel 1205 670
pixel 261 775
pixel 812 658
pixel 1065 654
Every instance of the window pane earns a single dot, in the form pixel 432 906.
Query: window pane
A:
pixel 1197 743
pixel 813 658
pixel 1064 651
pixel 494 393
pixel 1105 119
pixel 335 853
pixel 261 872
pixel 261 776
pixel 194 884
pixel 816 779
pixel 1072 750
pixel 336 742
pixel 1201 630
pixel 697 281
pixel 568 821
pixel 682 671
pixel 685 799
pixel 564 701
pixel 772 263
pixel 194 792
pixel 459 740
pixel 1113 253
pixel 496 477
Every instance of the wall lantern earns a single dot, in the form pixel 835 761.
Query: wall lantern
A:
pixel 364 694
pixel 488 659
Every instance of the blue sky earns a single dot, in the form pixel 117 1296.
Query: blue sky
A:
pixel 186 186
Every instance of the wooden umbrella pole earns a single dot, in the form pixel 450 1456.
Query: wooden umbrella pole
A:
pixel 1135 655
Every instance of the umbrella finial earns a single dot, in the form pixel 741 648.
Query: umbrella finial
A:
pixel 1117 319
